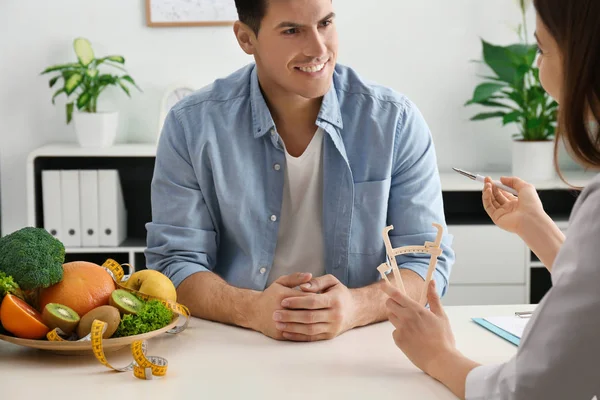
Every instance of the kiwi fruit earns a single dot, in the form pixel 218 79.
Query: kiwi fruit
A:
pixel 60 316
pixel 108 314
pixel 125 302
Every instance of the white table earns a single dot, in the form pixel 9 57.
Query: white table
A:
pixel 215 361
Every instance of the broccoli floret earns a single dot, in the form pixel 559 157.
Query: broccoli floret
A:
pixel 33 257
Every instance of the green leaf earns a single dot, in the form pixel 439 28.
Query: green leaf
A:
pixel 521 50
pixel 522 55
pixel 512 117
pixel 61 67
pixel 532 54
pixel 53 81
pixel 125 89
pixel 67 74
pixel 491 78
pixel 83 99
pixel 72 83
pixel 533 123
pixel 522 72
pixel 107 79
pixel 110 62
pixel 499 60
pixel 484 91
pixel 492 103
pixel 116 66
pixel 128 79
pixel 517 98
pixel 59 91
pixel 117 59
pixel 9 286
pixel 69 112
pixel 482 116
pixel 83 50
pixel 92 73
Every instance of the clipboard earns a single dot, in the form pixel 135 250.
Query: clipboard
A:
pixel 504 334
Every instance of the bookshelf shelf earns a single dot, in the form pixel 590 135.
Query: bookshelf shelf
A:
pixel 135 166
pixel 135 245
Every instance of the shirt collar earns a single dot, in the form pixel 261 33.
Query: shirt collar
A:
pixel 262 121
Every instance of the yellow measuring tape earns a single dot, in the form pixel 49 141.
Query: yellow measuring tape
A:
pixel 143 367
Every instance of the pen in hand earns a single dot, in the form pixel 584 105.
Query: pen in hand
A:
pixel 480 178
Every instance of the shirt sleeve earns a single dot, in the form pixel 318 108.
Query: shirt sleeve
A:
pixel 181 238
pixel 559 351
pixel 415 201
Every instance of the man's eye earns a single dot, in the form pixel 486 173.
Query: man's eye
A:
pixel 290 31
pixel 326 23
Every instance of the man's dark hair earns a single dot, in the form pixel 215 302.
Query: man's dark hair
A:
pixel 251 12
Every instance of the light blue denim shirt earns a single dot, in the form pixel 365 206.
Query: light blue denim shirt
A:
pixel 217 193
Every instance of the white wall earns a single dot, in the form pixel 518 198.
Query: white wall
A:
pixel 419 47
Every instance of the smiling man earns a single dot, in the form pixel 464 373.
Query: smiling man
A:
pixel 273 185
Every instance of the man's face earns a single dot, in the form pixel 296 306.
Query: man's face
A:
pixel 296 47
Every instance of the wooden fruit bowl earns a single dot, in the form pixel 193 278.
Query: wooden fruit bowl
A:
pixel 85 347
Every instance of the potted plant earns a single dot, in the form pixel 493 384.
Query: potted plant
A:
pixel 82 84
pixel 515 92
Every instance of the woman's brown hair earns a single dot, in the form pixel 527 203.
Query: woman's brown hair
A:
pixel 575 25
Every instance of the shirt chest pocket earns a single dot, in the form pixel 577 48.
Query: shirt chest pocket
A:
pixel 369 216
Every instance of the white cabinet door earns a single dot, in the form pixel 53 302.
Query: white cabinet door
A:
pixel 458 295
pixel 486 254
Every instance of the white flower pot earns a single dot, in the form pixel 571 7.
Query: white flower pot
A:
pixel 533 161
pixel 96 129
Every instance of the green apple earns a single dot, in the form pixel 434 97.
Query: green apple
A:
pixel 152 283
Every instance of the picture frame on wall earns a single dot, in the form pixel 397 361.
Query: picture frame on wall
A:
pixel 177 13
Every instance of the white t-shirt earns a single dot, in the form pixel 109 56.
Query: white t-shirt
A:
pixel 300 238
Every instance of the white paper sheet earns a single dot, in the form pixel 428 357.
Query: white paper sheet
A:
pixel 514 325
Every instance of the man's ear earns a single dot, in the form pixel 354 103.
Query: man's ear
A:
pixel 245 37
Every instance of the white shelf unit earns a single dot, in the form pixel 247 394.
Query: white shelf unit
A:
pixel 135 163
pixel 494 266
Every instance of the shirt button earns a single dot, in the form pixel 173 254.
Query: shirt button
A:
pixel 263 270
pixel 272 132
pixel 273 218
pixel 276 167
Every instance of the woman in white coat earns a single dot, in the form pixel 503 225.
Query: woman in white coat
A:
pixel 559 354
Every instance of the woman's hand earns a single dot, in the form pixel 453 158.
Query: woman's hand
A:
pixel 510 212
pixel 426 338
pixel 524 216
pixel 424 335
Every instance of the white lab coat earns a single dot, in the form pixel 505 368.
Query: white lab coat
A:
pixel 559 354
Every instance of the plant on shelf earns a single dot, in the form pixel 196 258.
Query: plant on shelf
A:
pixel 83 83
pixel 513 90
pixel 84 80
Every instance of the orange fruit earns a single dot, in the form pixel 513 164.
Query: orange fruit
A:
pixel 20 319
pixel 84 286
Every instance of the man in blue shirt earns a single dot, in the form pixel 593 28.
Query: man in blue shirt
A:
pixel 272 186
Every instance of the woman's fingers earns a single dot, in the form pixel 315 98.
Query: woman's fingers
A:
pixel 499 196
pixel 398 297
pixel 516 183
pixel 397 322
pixel 487 196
